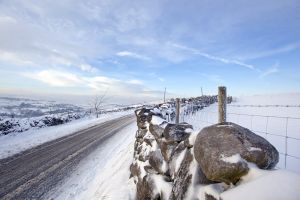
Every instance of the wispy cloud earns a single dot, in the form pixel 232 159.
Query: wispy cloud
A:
pixel 274 69
pixel 212 57
pixel 213 77
pixel 132 55
pixel 273 51
pixel 154 75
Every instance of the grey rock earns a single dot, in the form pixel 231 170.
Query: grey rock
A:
pixel 228 139
pixel 200 177
pixel 140 133
pixel 167 149
pixel 146 189
pixel 156 160
pixel 210 197
pixel 177 132
pixel 134 170
pixel 157 130
pixel 183 178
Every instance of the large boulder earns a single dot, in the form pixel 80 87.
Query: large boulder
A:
pixel 223 150
pixel 177 132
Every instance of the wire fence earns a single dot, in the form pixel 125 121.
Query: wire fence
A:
pixel 281 131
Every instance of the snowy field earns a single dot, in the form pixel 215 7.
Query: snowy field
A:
pixel 274 117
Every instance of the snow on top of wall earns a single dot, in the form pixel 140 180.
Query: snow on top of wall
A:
pixel 232 159
pixel 254 149
pixel 225 125
pixel 157 120
pixel 188 130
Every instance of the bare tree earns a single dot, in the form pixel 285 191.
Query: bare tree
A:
pixel 97 103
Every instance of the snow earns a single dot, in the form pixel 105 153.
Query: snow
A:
pixel 253 173
pixel 225 125
pixel 104 174
pixel 232 159
pixel 17 142
pixel 273 185
pixel 157 120
pixel 162 186
pixel 179 160
pixel 254 149
pixel 188 130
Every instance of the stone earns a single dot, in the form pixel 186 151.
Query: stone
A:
pixel 183 178
pixel 157 130
pixel 200 177
pixel 134 170
pixel 142 116
pixel 166 149
pixel 150 170
pixel 177 132
pixel 156 160
pixel 141 133
pixel 223 150
pixel 210 197
pixel 146 189
pixel 176 153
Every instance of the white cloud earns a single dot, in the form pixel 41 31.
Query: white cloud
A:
pixel 56 78
pixel 135 81
pixel 15 59
pixel 94 84
pixel 132 55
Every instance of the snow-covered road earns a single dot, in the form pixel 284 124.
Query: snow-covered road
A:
pixel 43 171
pixel 104 174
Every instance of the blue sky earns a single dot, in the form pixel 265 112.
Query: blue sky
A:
pixel 133 49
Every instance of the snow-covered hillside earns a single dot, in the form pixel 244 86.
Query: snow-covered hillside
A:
pixel 20 114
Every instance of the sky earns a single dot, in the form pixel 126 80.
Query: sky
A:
pixel 132 50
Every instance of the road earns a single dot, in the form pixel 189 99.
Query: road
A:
pixel 34 172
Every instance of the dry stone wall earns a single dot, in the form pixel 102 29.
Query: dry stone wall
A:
pixel 173 162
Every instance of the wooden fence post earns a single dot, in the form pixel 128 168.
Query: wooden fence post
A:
pixel 177 110
pixel 222 101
